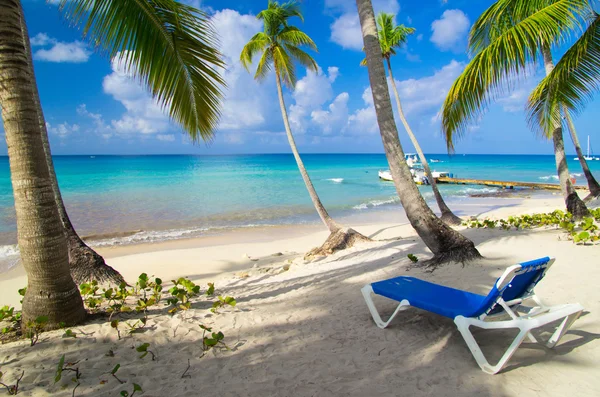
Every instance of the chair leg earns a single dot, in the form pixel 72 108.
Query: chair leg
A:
pixel 367 292
pixel 562 329
pixel 464 329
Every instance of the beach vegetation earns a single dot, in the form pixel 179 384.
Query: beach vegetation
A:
pixel 446 244
pixel 143 348
pixel 279 47
pixel 392 37
pixel 146 38
pixel 213 339
pixel 413 258
pixel 113 373
pixel 504 42
pixel 136 388
pixel 12 390
pixel 70 367
pixel 222 302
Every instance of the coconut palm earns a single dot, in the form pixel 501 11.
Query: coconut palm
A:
pixel 392 36
pixel 278 46
pixel 445 243
pixel 504 42
pixel 148 37
pixel 568 87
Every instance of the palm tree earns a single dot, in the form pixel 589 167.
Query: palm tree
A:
pixel 568 87
pixel 504 41
pixel 148 37
pixel 279 47
pixel 391 37
pixel 445 243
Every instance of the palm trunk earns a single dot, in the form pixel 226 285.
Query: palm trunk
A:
pixel 574 204
pixel 592 183
pixel 51 291
pixel 85 263
pixel 327 220
pixel 445 243
pixel 447 215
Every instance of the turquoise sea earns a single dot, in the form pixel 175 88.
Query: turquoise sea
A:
pixel 166 197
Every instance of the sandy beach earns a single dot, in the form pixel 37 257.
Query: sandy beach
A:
pixel 303 329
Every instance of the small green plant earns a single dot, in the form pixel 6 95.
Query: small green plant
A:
pixel 215 339
pixel 114 373
pixel 69 334
pixel 413 258
pixel 10 316
pixel 211 289
pixel 12 390
pixel 22 292
pixel 115 325
pixel 35 328
pixel 222 302
pixel 62 367
pixel 143 348
pixel 136 388
pixel 90 296
pixel 182 292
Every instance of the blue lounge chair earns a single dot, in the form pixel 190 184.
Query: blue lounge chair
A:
pixel 504 307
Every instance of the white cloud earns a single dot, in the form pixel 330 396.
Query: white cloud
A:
pixel 335 117
pixel 41 39
pixel 311 92
pixel 75 52
pixel 345 30
pixel 166 138
pixel 143 114
pixel 450 31
pixel 62 130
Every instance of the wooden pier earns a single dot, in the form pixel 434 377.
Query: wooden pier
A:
pixel 503 184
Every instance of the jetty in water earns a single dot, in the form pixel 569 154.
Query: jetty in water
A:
pixel 503 184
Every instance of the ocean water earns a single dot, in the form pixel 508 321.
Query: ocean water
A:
pixel 125 199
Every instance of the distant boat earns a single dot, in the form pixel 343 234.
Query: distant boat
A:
pixel 418 175
pixel 590 154
pixel 435 161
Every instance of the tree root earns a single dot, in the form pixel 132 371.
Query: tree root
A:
pixel 337 241
pixel 87 265
pixel 450 219
pixel 462 254
pixel 577 207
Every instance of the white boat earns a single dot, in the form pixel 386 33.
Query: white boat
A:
pixel 418 175
pixel 590 154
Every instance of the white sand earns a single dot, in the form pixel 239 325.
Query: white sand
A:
pixel 307 331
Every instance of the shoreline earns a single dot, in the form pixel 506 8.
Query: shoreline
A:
pixel 217 257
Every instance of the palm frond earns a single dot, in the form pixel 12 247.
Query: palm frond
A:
pixel 494 69
pixel 302 57
pixel 504 14
pixel 571 84
pixel 257 44
pixel 390 35
pixel 168 46
pixel 264 65
pixel 284 66
pixel 294 36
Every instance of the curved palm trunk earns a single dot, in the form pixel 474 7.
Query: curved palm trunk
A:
pixel 51 291
pixel 327 220
pixel 574 204
pixel 591 181
pixel 86 264
pixel 445 243
pixel 447 215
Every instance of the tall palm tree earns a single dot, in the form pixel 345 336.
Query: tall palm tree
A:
pixel 504 41
pixel 445 243
pixel 149 37
pixel 279 48
pixel 390 38
pixel 569 86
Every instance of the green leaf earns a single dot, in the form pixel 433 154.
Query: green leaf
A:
pixel 115 369
pixel 137 387
pixel 59 369
pixel 124 393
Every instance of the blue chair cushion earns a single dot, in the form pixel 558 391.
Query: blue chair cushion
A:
pixel 445 301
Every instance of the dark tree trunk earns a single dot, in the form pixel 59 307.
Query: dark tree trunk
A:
pixel 446 244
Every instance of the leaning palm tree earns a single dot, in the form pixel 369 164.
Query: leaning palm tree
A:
pixel 279 48
pixel 445 243
pixel 568 87
pixel 504 42
pixel 390 38
pixel 149 37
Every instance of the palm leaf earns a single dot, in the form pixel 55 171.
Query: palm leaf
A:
pixel 257 44
pixel 302 57
pixel 493 70
pixel 168 46
pixel 264 65
pixel 284 66
pixel 571 84
pixel 294 36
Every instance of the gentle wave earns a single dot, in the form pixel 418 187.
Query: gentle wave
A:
pixel 555 177
pixel 336 180
pixel 375 203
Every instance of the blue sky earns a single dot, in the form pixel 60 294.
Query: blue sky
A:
pixel 92 108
